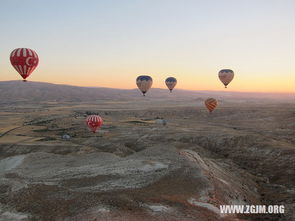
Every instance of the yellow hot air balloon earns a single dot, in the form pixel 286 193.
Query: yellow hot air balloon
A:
pixel 226 76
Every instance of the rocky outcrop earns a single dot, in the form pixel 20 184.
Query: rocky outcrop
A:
pixel 154 183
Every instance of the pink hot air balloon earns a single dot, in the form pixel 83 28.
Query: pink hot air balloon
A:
pixel 226 76
pixel 144 83
pixel 94 122
pixel 24 60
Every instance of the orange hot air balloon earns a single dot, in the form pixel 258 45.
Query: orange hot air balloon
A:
pixel 226 76
pixel 94 122
pixel 24 61
pixel 211 104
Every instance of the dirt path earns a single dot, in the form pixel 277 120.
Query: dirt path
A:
pixel 6 132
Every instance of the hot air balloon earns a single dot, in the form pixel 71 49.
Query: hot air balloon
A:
pixel 211 104
pixel 24 60
pixel 144 83
pixel 94 122
pixel 171 82
pixel 226 76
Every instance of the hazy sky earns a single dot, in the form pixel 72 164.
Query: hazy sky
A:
pixel 109 43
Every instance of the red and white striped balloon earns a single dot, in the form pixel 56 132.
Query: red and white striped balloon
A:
pixel 94 122
pixel 211 104
pixel 24 60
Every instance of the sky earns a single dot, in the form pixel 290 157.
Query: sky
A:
pixel 108 43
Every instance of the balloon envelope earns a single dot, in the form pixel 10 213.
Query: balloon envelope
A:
pixel 211 104
pixel 94 122
pixel 171 82
pixel 144 83
pixel 24 60
pixel 226 76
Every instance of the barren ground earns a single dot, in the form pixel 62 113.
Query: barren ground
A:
pixel 135 168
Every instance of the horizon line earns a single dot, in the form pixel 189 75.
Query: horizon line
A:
pixel 180 89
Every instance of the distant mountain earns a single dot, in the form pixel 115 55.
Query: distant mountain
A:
pixel 18 91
